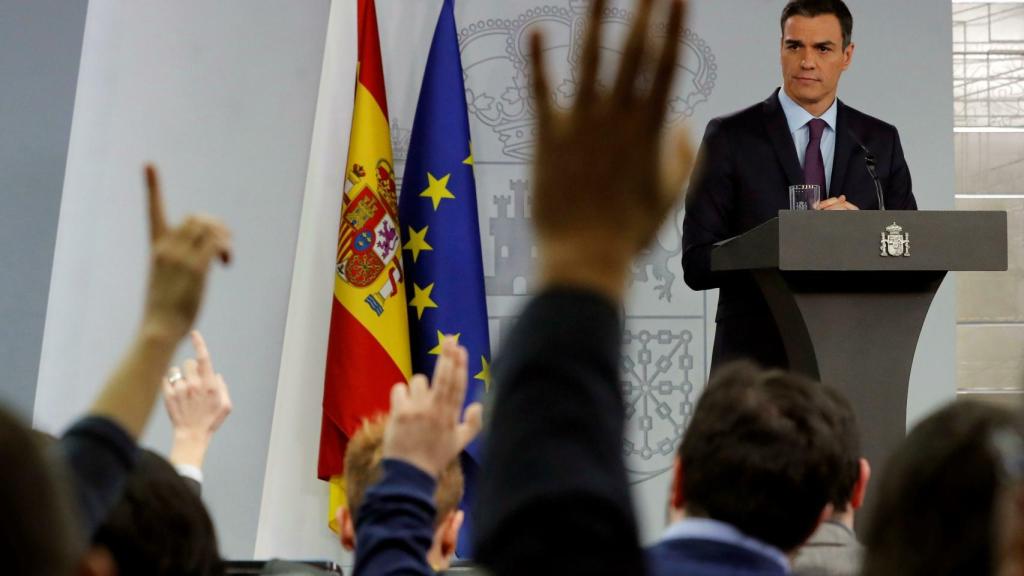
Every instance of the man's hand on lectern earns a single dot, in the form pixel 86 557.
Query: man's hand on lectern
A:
pixel 837 203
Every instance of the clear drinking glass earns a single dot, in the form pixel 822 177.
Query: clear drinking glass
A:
pixel 804 197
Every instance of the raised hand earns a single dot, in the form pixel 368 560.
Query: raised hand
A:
pixel 423 427
pixel 604 175
pixel 197 402
pixel 177 277
pixel 181 258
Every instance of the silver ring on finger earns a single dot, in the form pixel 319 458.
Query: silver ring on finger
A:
pixel 174 375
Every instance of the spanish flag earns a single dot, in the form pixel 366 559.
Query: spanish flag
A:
pixel 368 344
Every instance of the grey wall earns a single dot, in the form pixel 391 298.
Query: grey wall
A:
pixel 40 47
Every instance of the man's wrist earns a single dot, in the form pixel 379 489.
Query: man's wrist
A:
pixel 189 448
pixel 424 465
pixel 159 334
pixel 590 265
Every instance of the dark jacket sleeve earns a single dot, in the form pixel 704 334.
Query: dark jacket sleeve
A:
pixel 99 455
pixel 553 496
pixel 709 201
pixel 899 193
pixel 395 523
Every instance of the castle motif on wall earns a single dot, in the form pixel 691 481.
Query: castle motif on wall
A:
pixel 515 254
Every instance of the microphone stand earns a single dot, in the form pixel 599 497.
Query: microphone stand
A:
pixel 869 162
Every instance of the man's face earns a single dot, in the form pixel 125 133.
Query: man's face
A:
pixel 813 59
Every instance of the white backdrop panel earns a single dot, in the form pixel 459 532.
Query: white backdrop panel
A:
pixel 221 95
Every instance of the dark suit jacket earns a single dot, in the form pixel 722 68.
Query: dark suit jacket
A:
pixel 745 165
pixel 696 557
pixel 553 495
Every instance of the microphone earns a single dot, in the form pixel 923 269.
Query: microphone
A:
pixel 869 163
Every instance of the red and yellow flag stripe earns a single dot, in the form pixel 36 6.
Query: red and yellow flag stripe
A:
pixel 368 344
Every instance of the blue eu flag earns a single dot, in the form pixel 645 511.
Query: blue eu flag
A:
pixel 441 234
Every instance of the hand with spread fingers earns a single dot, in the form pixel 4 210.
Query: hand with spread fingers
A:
pixel 181 259
pixel 605 175
pixel 423 427
pixel 197 402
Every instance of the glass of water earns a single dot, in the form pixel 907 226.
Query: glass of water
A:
pixel 804 197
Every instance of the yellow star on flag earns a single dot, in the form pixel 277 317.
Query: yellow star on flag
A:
pixel 417 242
pixel 421 300
pixel 469 159
pixel 485 374
pixel 438 189
pixel 436 350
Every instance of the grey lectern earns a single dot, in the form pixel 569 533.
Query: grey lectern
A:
pixel 850 292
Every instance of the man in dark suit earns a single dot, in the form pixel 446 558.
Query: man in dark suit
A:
pixel 802 134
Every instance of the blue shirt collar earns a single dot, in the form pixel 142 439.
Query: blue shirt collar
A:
pixel 715 531
pixel 797 117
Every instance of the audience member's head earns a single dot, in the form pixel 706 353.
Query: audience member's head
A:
pixel 852 481
pixel 761 454
pixel 159 528
pixel 363 470
pixel 39 533
pixel 936 501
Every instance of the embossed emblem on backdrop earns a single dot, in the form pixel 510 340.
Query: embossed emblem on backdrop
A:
pixel 664 352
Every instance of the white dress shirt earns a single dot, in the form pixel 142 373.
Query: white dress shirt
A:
pixel 797 118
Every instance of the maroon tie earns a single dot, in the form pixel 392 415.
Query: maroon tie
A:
pixel 814 166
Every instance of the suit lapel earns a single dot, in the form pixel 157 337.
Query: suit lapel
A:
pixel 782 140
pixel 845 148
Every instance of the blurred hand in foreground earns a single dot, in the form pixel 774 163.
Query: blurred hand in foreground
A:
pixel 605 177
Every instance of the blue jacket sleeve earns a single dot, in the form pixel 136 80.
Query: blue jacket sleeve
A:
pixel 99 455
pixel 395 523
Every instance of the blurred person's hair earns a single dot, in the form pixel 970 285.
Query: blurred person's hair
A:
pixel 39 534
pixel 761 454
pixel 935 507
pixel 363 470
pixel 160 527
pixel 848 434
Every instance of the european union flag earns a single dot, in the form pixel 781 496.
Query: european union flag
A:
pixel 442 254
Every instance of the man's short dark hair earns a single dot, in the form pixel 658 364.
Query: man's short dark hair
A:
pixel 38 532
pixel 935 506
pixel 812 8
pixel 848 434
pixel 160 526
pixel 760 454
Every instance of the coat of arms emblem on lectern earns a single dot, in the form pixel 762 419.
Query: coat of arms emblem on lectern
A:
pixel 895 242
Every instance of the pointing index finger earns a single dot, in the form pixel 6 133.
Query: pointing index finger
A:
pixel 157 220
pixel 202 355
